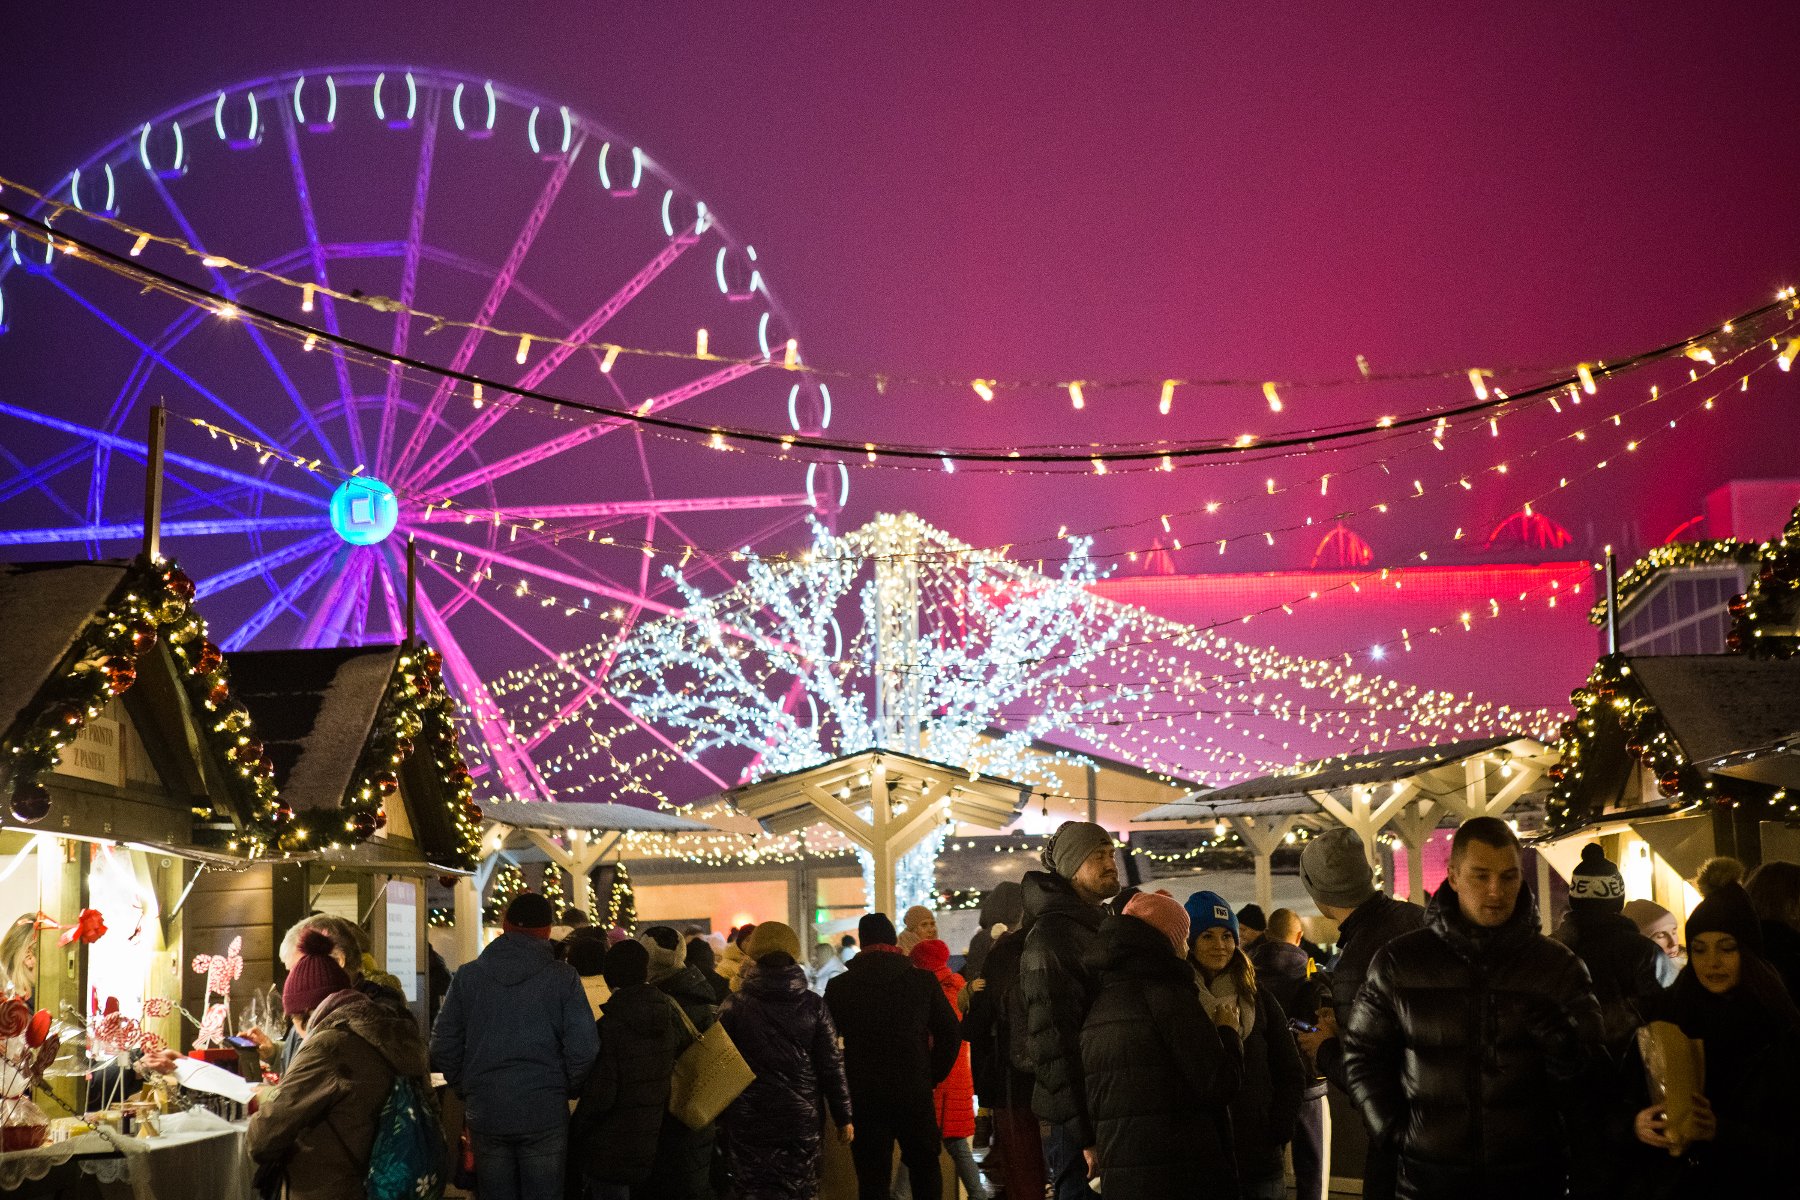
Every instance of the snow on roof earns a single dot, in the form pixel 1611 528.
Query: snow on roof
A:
pixel 314 710
pixel 43 609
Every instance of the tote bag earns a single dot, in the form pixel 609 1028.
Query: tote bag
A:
pixel 709 1075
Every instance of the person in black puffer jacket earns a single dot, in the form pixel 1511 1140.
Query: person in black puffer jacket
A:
pixel 901 1039
pixel 1471 1043
pixel 783 1030
pixel 614 1133
pixel 1001 910
pixel 994 1029
pixel 683 1156
pixel 1158 1074
pixel 1290 975
pixel 1620 960
pixel 700 956
pixel 1062 922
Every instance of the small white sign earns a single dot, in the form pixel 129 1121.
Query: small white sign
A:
pixel 95 753
pixel 403 935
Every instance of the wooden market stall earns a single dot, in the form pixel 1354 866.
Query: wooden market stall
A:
pixel 375 797
pixel 127 766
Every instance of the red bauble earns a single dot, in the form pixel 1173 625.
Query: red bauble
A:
pixel 220 693
pixel 282 814
pixel 434 662
pixel 250 751
pixel 143 636
pixel 121 673
pixel 1734 643
pixel 387 783
pixel 381 818
pixel 1670 782
pixel 30 803
pixel 475 813
pixel 1556 773
pixel 448 881
pixel 363 825
pixel 179 584
pixel 1737 604
pixel 209 658
pixel 403 747
pixel 460 775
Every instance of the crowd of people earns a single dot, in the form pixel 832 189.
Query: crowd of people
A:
pixel 1114 1040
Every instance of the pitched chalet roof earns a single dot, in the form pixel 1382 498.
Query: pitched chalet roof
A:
pixel 1718 704
pixel 314 710
pixel 43 609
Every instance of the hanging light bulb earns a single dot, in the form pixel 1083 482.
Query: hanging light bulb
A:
pixel 1272 397
pixel 1168 397
pixel 1075 396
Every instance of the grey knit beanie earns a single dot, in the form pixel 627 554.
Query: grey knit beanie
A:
pixel 1071 844
pixel 1335 870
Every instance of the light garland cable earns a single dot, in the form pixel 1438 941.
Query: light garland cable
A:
pixel 948 456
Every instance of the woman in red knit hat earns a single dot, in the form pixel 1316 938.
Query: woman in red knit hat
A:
pixel 955 1097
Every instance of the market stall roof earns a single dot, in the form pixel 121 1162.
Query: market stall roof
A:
pixel 1292 791
pixel 319 713
pixel 45 607
pixel 1721 705
pixel 905 797
pixel 616 818
pixel 1776 763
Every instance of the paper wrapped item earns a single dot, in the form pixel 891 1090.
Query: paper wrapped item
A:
pixel 1676 1066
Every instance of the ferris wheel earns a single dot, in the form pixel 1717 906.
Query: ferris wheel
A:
pixel 456 196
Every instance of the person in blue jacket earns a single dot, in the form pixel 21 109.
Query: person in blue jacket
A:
pixel 516 1039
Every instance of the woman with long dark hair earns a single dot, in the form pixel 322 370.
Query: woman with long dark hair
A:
pixel 1731 999
pixel 1268 1104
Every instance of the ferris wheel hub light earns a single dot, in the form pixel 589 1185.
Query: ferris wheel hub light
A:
pixel 364 511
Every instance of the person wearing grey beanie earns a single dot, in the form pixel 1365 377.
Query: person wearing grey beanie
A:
pixel 1335 870
pixel 1058 983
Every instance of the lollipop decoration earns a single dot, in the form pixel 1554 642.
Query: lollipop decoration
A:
pixel 220 970
pixel 28 1045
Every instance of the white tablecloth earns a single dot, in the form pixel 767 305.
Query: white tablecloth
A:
pixel 199 1156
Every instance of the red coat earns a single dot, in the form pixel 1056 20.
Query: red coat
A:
pixel 955 1097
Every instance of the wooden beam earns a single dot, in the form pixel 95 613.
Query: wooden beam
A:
pixel 904 835
pixel 1415 825
pixel 841 817
pixel 1524 778
pixel 1263 835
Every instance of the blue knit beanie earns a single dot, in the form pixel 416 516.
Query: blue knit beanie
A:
pixel 1208 910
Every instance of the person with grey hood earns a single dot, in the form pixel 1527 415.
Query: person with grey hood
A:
pixel 516 1039
pixel 1335 870
pixel 1058 980
pixel 1001 909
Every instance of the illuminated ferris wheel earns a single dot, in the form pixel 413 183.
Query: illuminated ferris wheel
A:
pixel 458 197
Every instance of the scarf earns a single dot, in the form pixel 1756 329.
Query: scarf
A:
pixel 1223 991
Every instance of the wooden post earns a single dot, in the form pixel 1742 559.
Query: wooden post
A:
pixel 1612 602
pixel 1263 835
pixel 1545 920
pixel 412 590
pixel 1415 825
pixel 153 484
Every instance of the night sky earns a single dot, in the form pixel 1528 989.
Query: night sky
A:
pixel 1133 191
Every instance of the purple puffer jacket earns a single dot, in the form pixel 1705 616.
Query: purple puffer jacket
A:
pixel 773 1130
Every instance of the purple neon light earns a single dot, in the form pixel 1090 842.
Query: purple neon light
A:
pixel 262 565
pixel 503 281
pixel 582 434
pixel 617 508
pixel 282 600
pixel 409 275
pixel 552 359
pixel 135 529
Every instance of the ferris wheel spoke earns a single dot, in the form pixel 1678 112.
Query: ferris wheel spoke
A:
pixel 113 441
pixel 324 626
pixel 284 600
pixel 582 434
pixel 545 366
pixel 30 478
pixel 714 560
pixel 590 686
pixel 162 360
pixel 224 288
pixel 257 566
pixel 516 771
pixel 409 277
pixel 589 585
pixel 503 282
pixel 135 529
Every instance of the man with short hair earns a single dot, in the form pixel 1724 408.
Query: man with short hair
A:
pixel 1063 911
pixel 1466 1044
pixel 1292 978
pixel 516 1039
pixel 1251 926
pixel 1336 872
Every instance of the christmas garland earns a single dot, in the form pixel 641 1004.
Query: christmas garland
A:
pixel 416 715
pixel 1763 619
pixel 1644 571
pixel 157 605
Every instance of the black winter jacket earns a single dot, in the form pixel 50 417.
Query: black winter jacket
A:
pixel 1287 971
pixel 1622 964
pixel 901 1037
pixel 990 1027
pixel 684 1156
pixel 774 1128
pixel 1158 1074
pixel 1781 946
pixel 1058 985
pixel 613 1135
pixel 1466 1050
pixel 1267 1106
pixel 1375 922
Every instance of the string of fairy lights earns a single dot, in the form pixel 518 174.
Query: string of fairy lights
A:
pixel 1162 455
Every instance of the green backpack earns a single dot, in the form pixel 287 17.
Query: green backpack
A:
pixel 409 1160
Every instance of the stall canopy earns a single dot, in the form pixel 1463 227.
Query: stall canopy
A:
pixel 885 801
pixel 1414 789
pixel 1692 750
pixel 333 724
